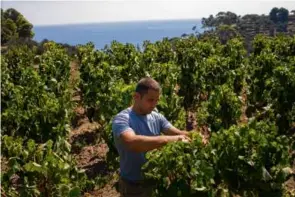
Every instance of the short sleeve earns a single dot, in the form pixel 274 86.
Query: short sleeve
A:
pixel 165 124
pixel 120 124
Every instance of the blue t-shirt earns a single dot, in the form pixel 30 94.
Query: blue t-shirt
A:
pixel 149 125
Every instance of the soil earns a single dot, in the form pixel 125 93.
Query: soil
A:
pixel 290 186
pixel 87 147
pixel 4 164
pixel 244 118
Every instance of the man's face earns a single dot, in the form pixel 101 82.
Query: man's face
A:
pixel 148 101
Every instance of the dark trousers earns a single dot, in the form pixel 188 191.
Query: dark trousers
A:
pixel 134 188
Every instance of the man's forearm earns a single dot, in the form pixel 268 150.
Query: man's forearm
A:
pixel 180 132
pixel 175 131
pixel 142 143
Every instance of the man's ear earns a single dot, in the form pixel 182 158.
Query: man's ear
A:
pixel 136 96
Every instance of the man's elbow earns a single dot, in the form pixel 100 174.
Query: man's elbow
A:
pixel 134 147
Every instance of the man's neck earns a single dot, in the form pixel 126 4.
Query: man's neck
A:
pixel 137 110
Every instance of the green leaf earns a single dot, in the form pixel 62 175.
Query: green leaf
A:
pixel 75 192
pixel 265 175
pixel 67 145
pixel 33 167
pixel 66 166
pixel 241 157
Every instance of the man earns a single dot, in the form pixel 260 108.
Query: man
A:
pixel 137 130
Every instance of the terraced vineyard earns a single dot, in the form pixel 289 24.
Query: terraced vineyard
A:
pixel 245 105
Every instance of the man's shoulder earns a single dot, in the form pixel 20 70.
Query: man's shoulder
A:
pixel 156 114
pixel 124 114
pixel 120 122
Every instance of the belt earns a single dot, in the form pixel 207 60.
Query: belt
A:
pixel 134 182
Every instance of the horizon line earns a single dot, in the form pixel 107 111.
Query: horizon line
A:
pixel 111 22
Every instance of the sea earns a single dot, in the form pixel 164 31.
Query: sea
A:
pixel 102 34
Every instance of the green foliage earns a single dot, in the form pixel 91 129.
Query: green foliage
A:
pixel 202 75
pixel 14 26
pixel 126 59
pixel 280 18
pixel 54 68
pixel 35 98
pixel 105 92
pixel 206 64
pixel 273 14
pixel 226 25
pixel 41 169
pixel 252 157
pixel 250 160
pixel 221 18
pixel 8 31
pixel 271 78
pixel 192 172
pixel 36 112
pixel 213 79
pixel 222 109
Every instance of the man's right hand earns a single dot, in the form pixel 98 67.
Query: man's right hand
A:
pixel 182 138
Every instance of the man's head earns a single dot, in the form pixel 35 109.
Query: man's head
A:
pixel 147 94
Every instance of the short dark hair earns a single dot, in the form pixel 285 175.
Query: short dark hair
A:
pixel 145 84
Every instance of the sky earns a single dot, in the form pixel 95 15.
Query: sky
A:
pixel 72 12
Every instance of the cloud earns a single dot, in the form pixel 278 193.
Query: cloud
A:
pixel 69 12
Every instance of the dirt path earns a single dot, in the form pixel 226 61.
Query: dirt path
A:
pixel 244 118
pixel 88 150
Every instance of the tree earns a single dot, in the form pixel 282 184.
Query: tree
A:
pixel 273 15
pixel 12 14
pixel 226 32
pixel 24 28
pixel 9 30
pixel 208 22
pixel 227 18
pixel 14 26
pixel 280 18
pixel 221 18
pixel 282 15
